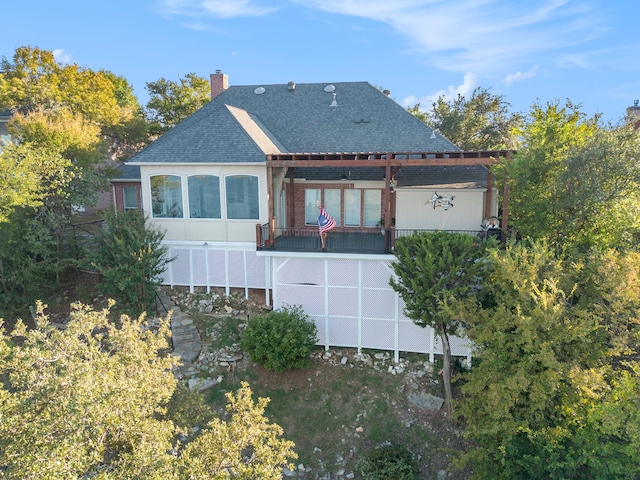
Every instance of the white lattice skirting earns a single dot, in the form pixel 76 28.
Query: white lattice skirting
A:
pixel 347 296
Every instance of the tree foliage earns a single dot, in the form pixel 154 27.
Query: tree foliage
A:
pixel 64 119
pixel 281 340
pixel 246 446
pixel 84 399
pixel 171 102
pixel 480 122
pixel 574 182
pixel 90 401
pixel 130 256
pixel 554 387
pixel 432 269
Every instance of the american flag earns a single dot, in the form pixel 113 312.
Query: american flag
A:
pixel 325 221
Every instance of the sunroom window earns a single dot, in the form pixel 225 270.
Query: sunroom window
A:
pixel 204 196
pixel 166 196
pixel 242 197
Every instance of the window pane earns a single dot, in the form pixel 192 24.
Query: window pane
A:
pixel 332 204
pixel 311 202
pixel 166 196
pixel 130 198
pixel 372 201
pixel 352 208
pixel 242 197
pixel 204 196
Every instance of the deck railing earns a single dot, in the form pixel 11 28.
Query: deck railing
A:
pixel 347 240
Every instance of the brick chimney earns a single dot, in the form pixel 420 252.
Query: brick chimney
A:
pixel 219 83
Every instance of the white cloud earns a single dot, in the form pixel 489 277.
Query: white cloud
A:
pixel 477 35
pixel 215 8
pixel 60 56
pixel 469 83
pixel 520 76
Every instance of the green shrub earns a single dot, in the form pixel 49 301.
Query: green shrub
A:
pixel 281 340
pixel 387 461
pixel 130 256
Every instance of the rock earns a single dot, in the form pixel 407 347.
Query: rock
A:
pixel 201 384
pixel 289 473
pixel 228 309
pixel 425 400
pixel 344 360
pixel 379 355
pixel 350 475
pixel 442 475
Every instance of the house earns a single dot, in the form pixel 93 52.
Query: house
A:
pixel 237 185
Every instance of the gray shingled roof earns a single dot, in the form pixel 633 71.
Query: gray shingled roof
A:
pixel 127 173
pixel 298 121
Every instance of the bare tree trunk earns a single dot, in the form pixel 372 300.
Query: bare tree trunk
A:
pixel 446 368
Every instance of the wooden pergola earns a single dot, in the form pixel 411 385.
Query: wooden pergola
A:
pixel 392 163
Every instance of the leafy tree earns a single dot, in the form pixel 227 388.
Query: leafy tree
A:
pixel 62 115
pixel 90 401
pixel 281 340
pixel 432 269
pixel 19 179
pixel 171 102
pixel 85 399
pixel 481 122
pixel 245 447
pixel 34 81
pixel 571 182
pixel 130 256
pixel 553 391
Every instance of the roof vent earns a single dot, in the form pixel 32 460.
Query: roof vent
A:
pixel 329 88
pixel 635 103
pixel 259 90
pixel 334 103
pixel 291 86
pixel 387 92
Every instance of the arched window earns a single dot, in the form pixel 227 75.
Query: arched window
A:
pixel 242 197
pixel 204 196
pixel 166 196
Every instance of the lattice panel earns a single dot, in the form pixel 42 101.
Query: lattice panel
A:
pixel 180 274
pixel 236 269
pixel 302 271
pixel 309 296
pixel 379 334
pixel 342 331
pixel 322 335
pixel 378 303
pixel 459 346
pixel 256 271
pixel 217 275
pixel 199 266
pixel 412 338
pixel 343 302
pixel 343 272
pixel 376 274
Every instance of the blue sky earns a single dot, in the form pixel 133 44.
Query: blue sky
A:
pixel 585 50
